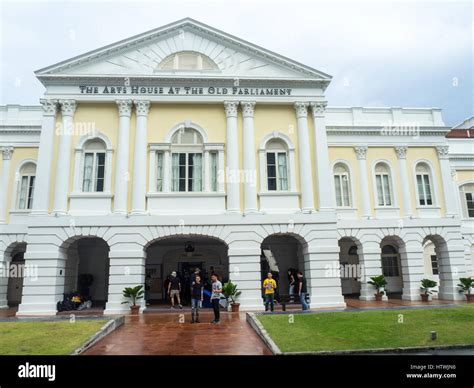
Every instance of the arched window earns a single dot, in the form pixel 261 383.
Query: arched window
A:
pixel 186 160
pixel 342 185
pixel 26 186
pixel 93 172
pixel 187 60
pixel 390 260
pixel 467 200
pixel 383 185
pixel 277 165
pixel 424 184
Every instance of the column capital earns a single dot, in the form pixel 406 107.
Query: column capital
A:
pixel 142 107
pixel 361 152
pixel 231 108
pixel 50 107
pixel 301 109
pixel 68 107
pixel 318 108
pixel 7 152
pixel 401 152
pixel 248 108
pixel 443 151
pixel 124 107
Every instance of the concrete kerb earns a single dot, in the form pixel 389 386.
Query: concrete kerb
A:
pixel 106 329
pixel 262 333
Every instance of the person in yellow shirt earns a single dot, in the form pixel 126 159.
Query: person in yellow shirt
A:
pixel 269 285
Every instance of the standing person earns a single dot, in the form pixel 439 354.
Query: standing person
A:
pixel 291 284
pixel 197 272
pixel 197 296
pixel 302 291
pixel 215 298
pixel 174 289
pixel 269 285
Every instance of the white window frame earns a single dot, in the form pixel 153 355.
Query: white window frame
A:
pixel 432 182
pixel 187 179
pixel 276 153
pixel 462 191
pixel 95 170
pixel 393 196
pixel 340 176
pixel 19 179
pixel 391 255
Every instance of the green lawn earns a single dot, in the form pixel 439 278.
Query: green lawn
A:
pixel 370 329
pixel 45 337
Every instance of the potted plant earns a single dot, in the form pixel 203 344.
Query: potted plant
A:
pixel 133 294
pixel 231 293
pixel 426 286
pixel 379 282
pixel 466 285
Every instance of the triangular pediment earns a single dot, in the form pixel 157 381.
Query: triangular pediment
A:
pixel 144 55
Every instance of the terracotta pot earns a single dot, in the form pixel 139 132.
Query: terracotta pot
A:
pixel 425 297
pixel 235 307
pixel 378 297
pixel 470 298
pixel 135 310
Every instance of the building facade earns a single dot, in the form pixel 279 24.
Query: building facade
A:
pixel 186 146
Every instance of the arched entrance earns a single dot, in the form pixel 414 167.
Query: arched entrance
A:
pixel 351 271
pixel 15 265
pixel 281 253
pixel 86 270
pixel 391 248
pixel 183 254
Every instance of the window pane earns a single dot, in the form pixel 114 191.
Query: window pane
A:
pixel 100 169
pixel 31 191
pixel 213 171
pixel 194 172
pixel 378 179
pixel 87 180
pixel 345 190
pixel 386 191
pixel 270 158
pixel 272 184
pixel 23 192
pixel 175 172
pixel 426 179
pixel 434 264
pixel 282 171
pixel 470 204
pixel 337 184
pixel 421 193
pixel 159 171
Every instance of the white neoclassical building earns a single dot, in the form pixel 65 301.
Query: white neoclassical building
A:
pixel 187 147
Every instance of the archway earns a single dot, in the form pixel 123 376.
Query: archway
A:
pixel 15 262
pixel 281 254
pixel 183 254
pixel 431 264
pixel 351 271
pixel 391 249
pixel 86 270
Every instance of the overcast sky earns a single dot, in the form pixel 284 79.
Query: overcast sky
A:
pixel 400 53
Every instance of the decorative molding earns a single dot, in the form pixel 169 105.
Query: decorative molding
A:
pixel 50 107
pixel 318 108
pixel 301 109
pixel 401 152
pixel 68 107
pixel 7 152
pixel 248 108
pixel 443 151
pixel 142 107
pixel 231 108
pixel 124 107
pixel 361 152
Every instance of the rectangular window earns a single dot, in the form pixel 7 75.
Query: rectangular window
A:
pixel 424 189
pixel 186 171
pixel 470 204
pixel 31 190
pixel 213 172
pixel 384 197
pixel 94 172
pixel 434 264
pixel 159 171
pixel 277 171
pixel 390 266
pixel 341 182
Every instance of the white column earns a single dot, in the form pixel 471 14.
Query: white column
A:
pixel 166 171
pixel 250 163
pixel 402 165
pixel 45 157
pixel 323 172
pixel 4 189
pixel 449 194
pixel 306 175
pixel 152 184
pixel 232 147
pixel 361 152
pixel 139 157
pixel 122 174
pixel 370 262
pixel 61 188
